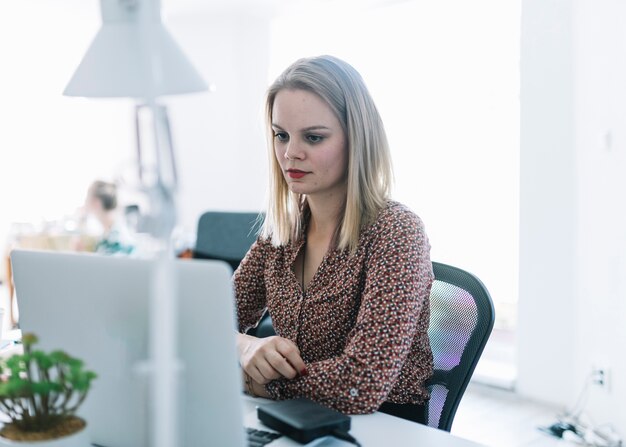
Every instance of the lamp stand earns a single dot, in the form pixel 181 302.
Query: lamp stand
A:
pixel 160 182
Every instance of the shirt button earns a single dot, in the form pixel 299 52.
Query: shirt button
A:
pixel 354 392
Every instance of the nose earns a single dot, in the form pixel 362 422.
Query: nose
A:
pixel 293 151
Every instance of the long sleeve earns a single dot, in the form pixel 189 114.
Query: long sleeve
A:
pixel 390 324
pixel 249 283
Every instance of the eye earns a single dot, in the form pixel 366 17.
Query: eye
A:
pixel 314 138
pixel 281 136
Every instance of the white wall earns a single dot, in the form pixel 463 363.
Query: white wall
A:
pixel 547 301
pixel 220 136
pixel 600 114
pixel 573 217
pixel 51 147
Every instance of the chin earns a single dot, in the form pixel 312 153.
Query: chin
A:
pixel 297 190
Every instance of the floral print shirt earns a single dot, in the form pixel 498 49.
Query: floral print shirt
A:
pixel 361 326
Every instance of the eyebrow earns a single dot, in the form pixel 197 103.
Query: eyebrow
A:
pixel 306 129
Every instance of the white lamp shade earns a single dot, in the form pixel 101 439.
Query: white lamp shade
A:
pixel 127 59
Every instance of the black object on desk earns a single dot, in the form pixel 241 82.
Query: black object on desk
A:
pixel 259 438
pixel 302 419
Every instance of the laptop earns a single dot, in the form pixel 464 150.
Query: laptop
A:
pixel 96 308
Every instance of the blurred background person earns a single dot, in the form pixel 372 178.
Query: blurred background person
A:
pixel 102 203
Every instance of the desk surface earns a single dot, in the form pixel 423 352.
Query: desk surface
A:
pixel 376 429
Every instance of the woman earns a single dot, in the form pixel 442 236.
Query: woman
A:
pixel 344 272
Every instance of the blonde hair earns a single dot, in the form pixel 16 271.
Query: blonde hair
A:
pixel 369 162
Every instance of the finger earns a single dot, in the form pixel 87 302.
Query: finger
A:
pixel 281 365
pixel 285 343
pixel 290 351
pixel 267 372
pixel 255 374
pixel 254 363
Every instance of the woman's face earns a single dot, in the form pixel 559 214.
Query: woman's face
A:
pixel 310 144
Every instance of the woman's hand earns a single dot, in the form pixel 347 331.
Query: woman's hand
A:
pixel 252 388
pixel 266 359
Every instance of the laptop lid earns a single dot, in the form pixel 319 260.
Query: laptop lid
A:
pixel 96 308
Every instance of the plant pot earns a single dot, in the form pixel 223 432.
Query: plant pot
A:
pixel 80 438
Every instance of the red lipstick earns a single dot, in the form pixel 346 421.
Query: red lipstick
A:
pixel 296 173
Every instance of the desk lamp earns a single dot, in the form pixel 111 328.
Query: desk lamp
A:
pixel 133 56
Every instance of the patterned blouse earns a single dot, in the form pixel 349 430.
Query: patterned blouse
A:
pixel 361 326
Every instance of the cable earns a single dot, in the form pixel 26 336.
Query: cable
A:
pixel 345 437
pixel 577 422
pixel 569 419
pixel 575 412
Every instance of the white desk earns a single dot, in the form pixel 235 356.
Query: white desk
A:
pixel 371 430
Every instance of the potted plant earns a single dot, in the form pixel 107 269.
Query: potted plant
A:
pixel 40 392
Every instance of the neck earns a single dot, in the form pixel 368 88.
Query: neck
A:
pixel 325 214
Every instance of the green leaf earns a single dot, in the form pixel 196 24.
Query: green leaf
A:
pixel 42 388
pixel 42 359
pixel 17 387
pixel 58 356
pixel 74 364
pixel 4 389
pixel 56 387
pixel 14 361
pixel 16 364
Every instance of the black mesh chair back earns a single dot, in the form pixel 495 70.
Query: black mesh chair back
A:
pixel 226 236
pixel 461 320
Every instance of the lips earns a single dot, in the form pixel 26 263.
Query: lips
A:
pixel 296 173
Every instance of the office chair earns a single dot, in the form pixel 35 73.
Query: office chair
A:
pixel 225 236
pixel 461 320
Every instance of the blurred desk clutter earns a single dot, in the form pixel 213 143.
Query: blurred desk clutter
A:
pixel 56 236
